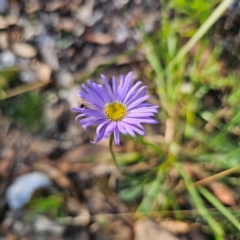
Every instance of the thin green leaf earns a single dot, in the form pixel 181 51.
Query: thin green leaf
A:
pixel 215 202
pixel 217 229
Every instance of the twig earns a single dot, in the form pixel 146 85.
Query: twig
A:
pixel 215 177
pixel 22 89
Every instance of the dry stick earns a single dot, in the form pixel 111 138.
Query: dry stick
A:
pixel 22 89
pixel 215 177
pixel 140 214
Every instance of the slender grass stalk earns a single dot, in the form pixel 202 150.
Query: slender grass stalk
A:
pixel 214 177
pixel 22 89
pixel 153 59
pixel 152 193
pixel 217 229
pixel 156 186
pixel 215 202
pixel 216 14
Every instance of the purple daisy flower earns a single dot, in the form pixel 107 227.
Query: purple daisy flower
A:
pixel 120 108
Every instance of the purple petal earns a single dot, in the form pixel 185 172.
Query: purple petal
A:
pixel 121 128
pixel 91 100
pixel 76 109
pixel 144 120
pixel 93 113
pixel 78 116
pixel 115 90
pixel 109 90
pixel 137 95
pixel 143 110
pixel 110 129
pixel 101 133
pixel 100 91
pixel 104 93
pixel 135 129
pixel 96 89
pixel 137 114
pixel 137 121
pixel 126 84
pixel 121 84
pixel 147 105
pixel 133 121
pixel 129 130
pixel 85 120
pixel 93 94
pixel 131 91
pixel 116 136
pixel 101 125
pixel 93 121
pixel 136 102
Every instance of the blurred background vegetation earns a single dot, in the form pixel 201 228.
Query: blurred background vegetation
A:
pixel 182 177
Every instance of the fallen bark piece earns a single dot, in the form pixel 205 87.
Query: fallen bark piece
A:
pixel 147 229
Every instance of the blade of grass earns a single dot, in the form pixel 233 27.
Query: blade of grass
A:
pixel 154 61
pixel 215 202
pixel 151 195
pixel 217 229
pixel 216 14
pixel 156 186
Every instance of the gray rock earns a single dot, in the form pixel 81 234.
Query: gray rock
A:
pixel 48 51
pixel 64 78
pixel 27 76
pixel 7 59
pixel 97 15
pixel 3 5
pixel 121 34
pixel 43 226
pixel 70 95
pixel 120 3
pixel 24 50
pixel 21 190
pixel 147 229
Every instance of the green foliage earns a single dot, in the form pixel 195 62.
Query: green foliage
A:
pixel 131 194
pixel 202 102
pixel 196 10
pixel 25 109
pixel 7 77
pixel 51 206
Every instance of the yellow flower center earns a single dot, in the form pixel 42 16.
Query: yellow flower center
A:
pixel 115 111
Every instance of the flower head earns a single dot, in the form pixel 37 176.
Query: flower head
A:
pixel 120 108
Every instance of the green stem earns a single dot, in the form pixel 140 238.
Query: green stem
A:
pixel 112 153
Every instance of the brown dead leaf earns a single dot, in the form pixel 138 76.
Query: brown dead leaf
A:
pixel 195 171
pixel 147 229
pixel 6 162
pixel 80 154
pixel 79 210
pixel 53 173
pixel 220 190
pixel 55 5
pixel 114 228
pixel 175 227
pixel 6 234
pixel 223 193
pixel 99 38
pixel 196 235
